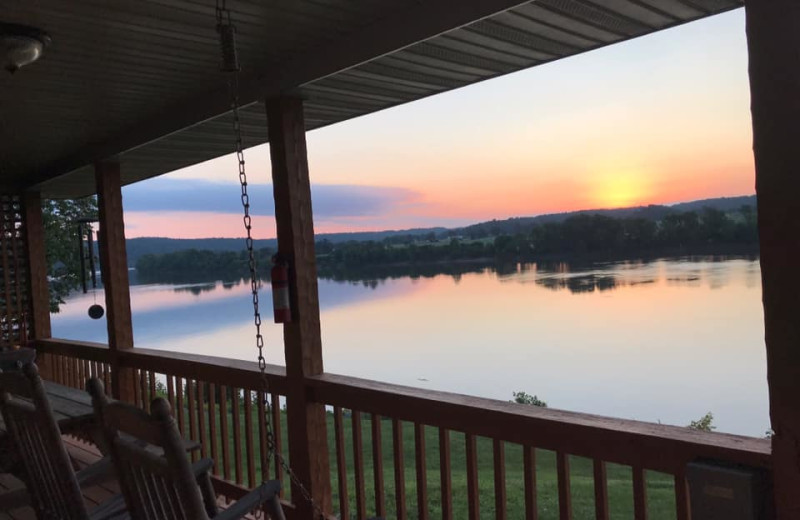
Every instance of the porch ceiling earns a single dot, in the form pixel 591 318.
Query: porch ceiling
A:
pixel 139 79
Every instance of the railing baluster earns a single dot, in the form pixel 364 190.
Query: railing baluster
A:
pixel 145 396
pixel 564 491
pixel 358 463
pixel 473 493
pixel 248 438
pixel 223 419
pixel 399 470
pixel 138 399
pixel 377 466
pixel 262 435
pixel 639 493
pixel 600 490
pixel 191 387
pixel 55 366
pixel 341 463
pixel 529 468
pixel 277 436
pixel 152 380
pixel 179 403
pixel 81 374
pixel 237 437
pixel 445 474
pixel 212 424
pixel 201 418
pixel 422 471
pixel 499 480
pixel 682 504
pixel 171 392
pixel 107 376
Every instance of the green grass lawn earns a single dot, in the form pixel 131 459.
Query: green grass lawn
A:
pixel 660 487
pixel 661 497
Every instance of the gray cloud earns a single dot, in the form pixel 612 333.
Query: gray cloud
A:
pixel 329 200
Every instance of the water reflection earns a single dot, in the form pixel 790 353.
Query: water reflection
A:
pixel 576 276
pixel 658 340
pixel 581 283
pixel 198 288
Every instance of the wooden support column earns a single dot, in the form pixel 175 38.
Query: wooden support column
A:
pixel 774 50
pixel 38 290
pixel 114 269
pixel 308 438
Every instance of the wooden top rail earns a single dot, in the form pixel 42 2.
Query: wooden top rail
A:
pixel 635 443
pixel 208 369
pixel 75 349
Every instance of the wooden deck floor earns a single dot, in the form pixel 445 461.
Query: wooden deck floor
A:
pixel 82 454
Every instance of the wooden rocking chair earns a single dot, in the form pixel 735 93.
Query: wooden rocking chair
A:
pixel 52 486
pixel 162 484
pixel 12 361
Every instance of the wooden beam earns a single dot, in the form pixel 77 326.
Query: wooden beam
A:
pixel 38 290
pixel 774 51
pixel 37 266
pixel 401 28
pixel 114 269
pixel 308 438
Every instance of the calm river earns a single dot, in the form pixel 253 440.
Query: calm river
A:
pixel 666 340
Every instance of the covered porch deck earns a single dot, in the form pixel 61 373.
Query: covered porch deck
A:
pixel 130 90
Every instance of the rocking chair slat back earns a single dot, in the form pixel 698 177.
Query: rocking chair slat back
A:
pixel 154 472
pixel 48 474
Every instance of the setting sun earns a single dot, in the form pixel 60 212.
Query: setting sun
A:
pixel 620 190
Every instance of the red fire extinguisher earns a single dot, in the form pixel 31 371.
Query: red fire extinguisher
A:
pixel 281 303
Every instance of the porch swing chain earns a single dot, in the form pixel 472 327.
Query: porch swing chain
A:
pixel 230 64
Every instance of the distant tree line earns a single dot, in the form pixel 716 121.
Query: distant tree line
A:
pixel 583 234
pixel 193 265
pixel 575 236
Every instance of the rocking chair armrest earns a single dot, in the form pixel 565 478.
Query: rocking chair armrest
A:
pixel 266 493
pixel 15 498
pixel 97 473
pixel 202 467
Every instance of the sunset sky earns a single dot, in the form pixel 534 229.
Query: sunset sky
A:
pixel 655 120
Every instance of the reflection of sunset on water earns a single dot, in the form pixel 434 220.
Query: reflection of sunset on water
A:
pixel 656 340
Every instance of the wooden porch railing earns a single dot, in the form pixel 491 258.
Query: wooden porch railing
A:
pixel 216 404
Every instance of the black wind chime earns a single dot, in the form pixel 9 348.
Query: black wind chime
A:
pixel 86 253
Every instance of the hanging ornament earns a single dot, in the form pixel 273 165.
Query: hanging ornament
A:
pixel 86 234
pixel 96 311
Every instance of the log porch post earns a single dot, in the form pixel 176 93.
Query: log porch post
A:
pixel 308 439
pixel 774 49
pixel 38 290
pixel 114 267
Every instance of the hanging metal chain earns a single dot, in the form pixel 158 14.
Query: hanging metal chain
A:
pixel 230 64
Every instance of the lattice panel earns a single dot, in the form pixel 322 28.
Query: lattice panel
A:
pixel 14 287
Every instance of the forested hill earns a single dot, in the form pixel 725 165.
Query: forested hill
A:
pixel 653 212
pixel 137 247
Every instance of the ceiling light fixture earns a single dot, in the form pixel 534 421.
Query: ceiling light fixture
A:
pixel 20 45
